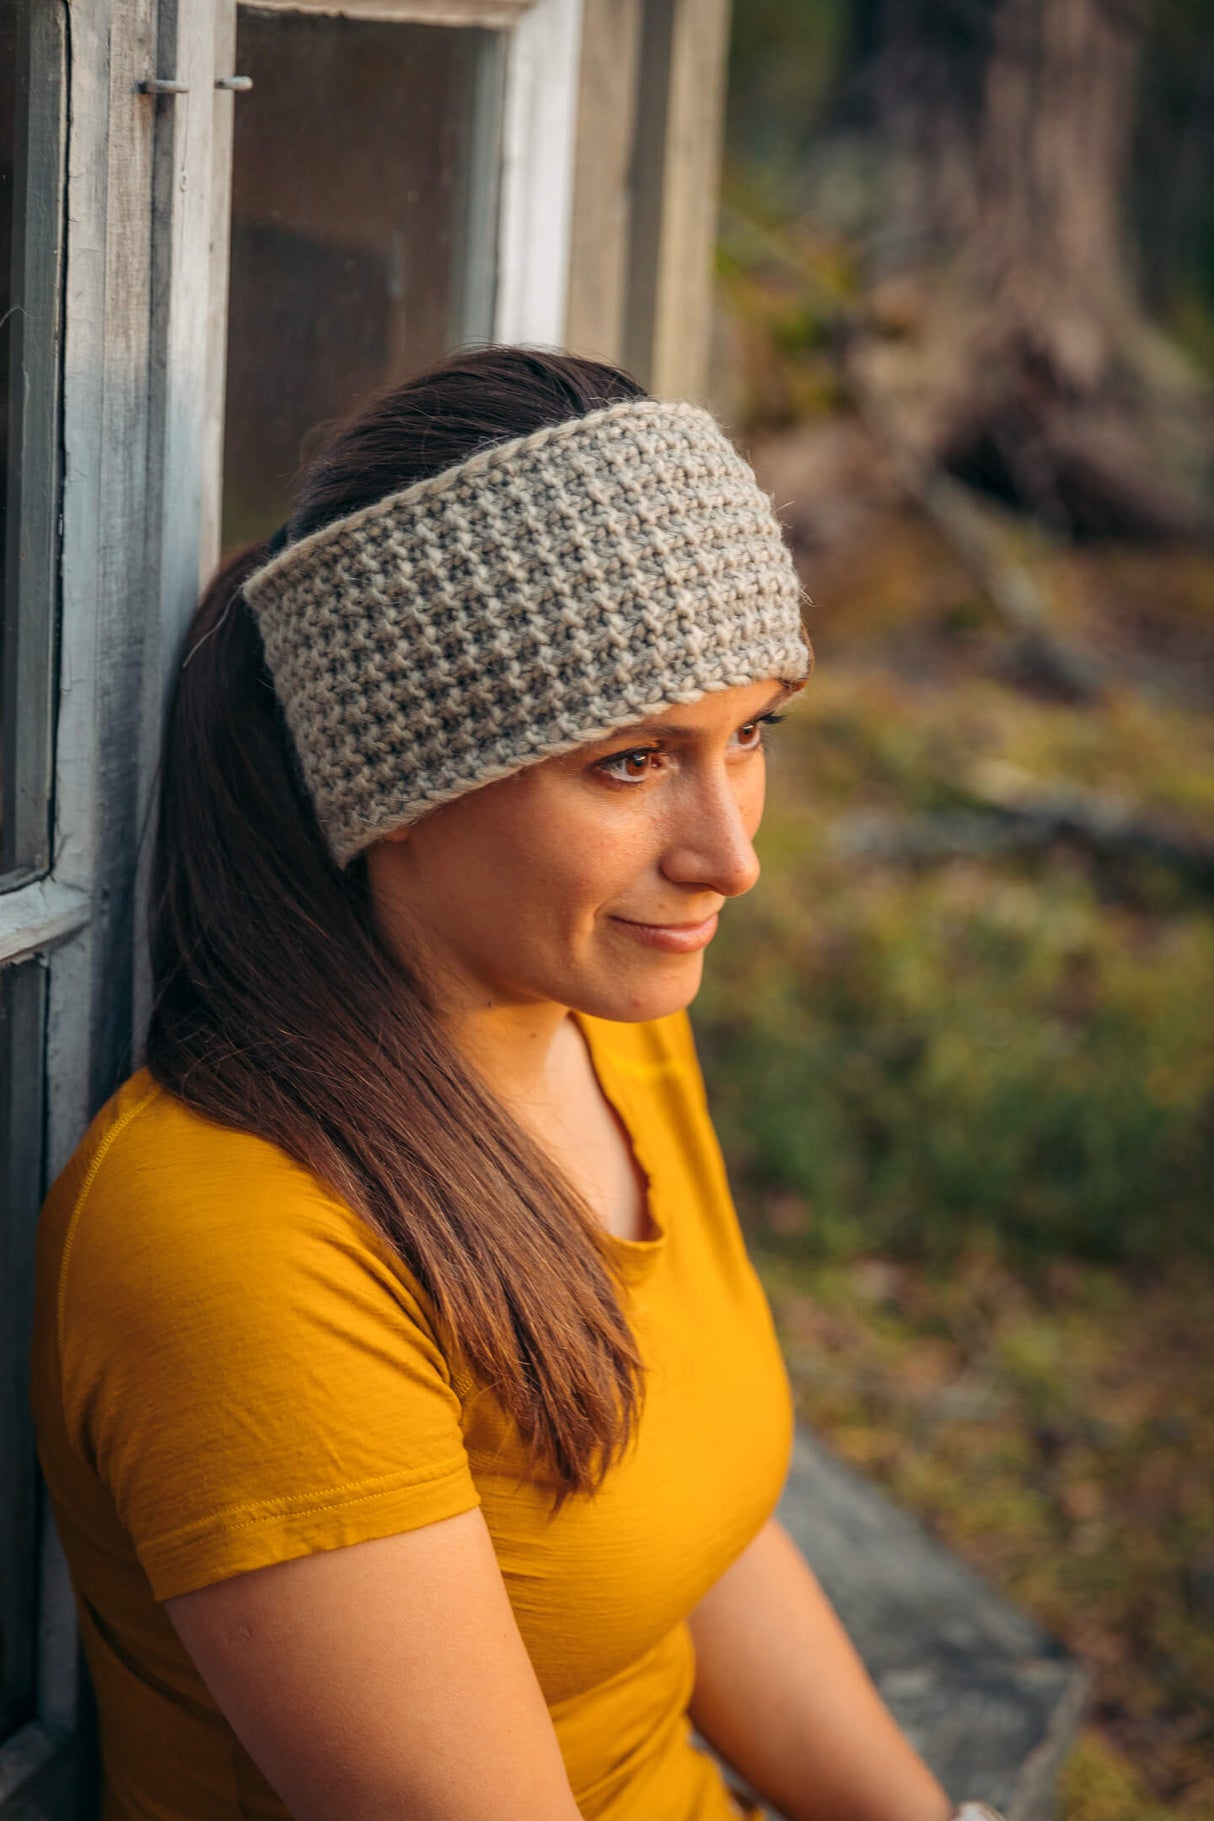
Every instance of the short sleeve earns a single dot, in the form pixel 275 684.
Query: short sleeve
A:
pixel 244 1363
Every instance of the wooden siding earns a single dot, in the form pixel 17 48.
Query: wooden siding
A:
pixel 602 192
pixel 652 97
pixel 690 175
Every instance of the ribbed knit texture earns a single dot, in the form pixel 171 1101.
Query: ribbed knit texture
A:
pixel 535 597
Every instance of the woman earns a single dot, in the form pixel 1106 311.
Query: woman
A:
pixel 411 1415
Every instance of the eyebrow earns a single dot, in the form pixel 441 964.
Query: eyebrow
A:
pixel 666 730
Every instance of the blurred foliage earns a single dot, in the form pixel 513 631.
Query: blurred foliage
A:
pixel 786 60
pixel 904 1056
pixel 783 308
pixel 968 1108
pixel 1098 1784
pixel 796 151
pixel 967 1099
pixel 1172 173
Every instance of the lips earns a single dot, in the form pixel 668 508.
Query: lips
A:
pixel 675 938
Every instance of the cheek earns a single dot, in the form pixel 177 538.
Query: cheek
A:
pixel 573 867
pixel 549 868
pixel 752 796
pixel 518 873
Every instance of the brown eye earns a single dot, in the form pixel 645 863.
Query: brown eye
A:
pixel 630 767
pixel 750 735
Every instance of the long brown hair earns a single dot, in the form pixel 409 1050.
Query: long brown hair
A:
pixel 278 1009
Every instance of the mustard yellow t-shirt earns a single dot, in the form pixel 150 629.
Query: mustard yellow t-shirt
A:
pixel 230 1368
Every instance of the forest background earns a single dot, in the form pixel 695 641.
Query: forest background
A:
pixel 960 1044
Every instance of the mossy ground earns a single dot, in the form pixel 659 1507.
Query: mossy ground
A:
pixel 1058 1432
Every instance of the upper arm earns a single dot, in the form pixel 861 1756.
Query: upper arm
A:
pixel 244 1369
pixel 386 1679
pixel 263 1395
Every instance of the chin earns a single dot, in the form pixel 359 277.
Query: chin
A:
pixel 657 992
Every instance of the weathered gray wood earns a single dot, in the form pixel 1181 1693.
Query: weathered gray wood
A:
pixel 647 186
pixel 674 189
pixel 22 1018
pixel 182 433
pixel 32 544
pixel 226 101
pixel 989 1700
pixel 182 305
pixel 108 565
pixel 36 915
pixel 694 130
pixel 602 188
pixel 36 1775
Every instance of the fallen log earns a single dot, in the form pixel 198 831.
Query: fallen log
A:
pixel 1006 814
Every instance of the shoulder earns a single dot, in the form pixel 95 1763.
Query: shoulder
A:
pixel 235 1353
pixel 144 1137
pixel 165 1218
pixel 152 1174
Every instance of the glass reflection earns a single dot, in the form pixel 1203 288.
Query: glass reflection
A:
pixel 356 159
pixel 8 110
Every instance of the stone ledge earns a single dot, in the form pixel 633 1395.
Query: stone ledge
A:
pixel 984 1694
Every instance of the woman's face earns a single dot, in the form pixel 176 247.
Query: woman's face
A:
pixel 592 880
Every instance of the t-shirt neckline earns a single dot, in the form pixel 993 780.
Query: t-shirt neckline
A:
pixel 634 1258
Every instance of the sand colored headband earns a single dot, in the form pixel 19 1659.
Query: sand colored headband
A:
pixel 533 598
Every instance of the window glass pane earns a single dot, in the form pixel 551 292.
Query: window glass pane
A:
pixel 363 158
pixel 8 108
pixel 22 1013
pixel 31 234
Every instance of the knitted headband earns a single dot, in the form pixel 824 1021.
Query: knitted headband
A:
pixel 533 598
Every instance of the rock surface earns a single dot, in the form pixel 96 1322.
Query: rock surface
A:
pixel 989 1700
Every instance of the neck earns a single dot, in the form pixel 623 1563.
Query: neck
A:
pixel 512 1046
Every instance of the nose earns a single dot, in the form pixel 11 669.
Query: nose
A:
pixel 711 845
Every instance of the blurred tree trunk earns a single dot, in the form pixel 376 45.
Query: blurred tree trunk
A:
pixel 1006 341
